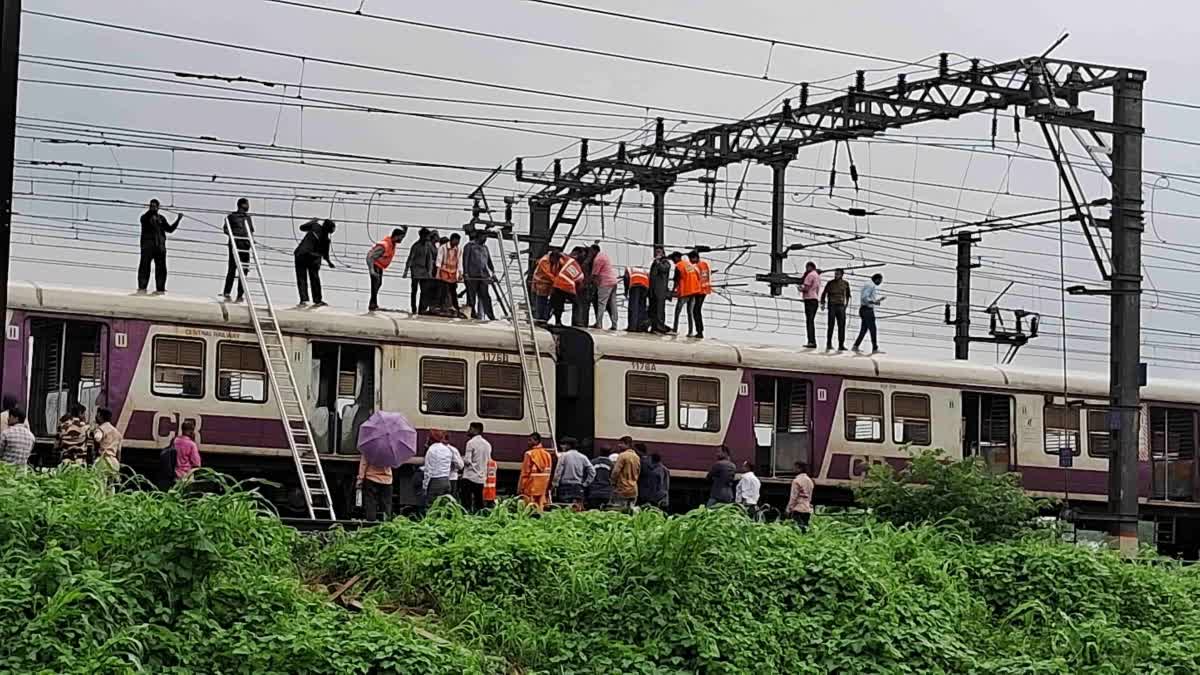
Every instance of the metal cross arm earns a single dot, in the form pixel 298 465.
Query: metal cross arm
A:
pixel 858 113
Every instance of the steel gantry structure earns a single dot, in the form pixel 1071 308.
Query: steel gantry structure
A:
pixel 1048 90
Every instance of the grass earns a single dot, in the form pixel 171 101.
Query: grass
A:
pixel 168 583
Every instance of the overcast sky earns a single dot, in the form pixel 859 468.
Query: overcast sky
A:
pixel 66 217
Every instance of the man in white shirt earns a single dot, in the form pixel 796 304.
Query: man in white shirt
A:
pixel 475 463
pixel 868 300
pixel 748 488
pixel 441 460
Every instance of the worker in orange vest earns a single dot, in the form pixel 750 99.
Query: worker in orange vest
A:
pixel 637 293
pixel 687 287
pixel 534 484
pixel 378 259
pixel 567 284
pixel 449 273
pixel 704 279
pixel 544 274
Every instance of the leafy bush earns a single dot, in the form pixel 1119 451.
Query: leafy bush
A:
pixel 712 592
pixel 98 583
pixel 963 494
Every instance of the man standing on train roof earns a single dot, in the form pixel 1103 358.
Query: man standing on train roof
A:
pixel 573 474
pixel 414 287
pixel 704 276
pixel 604 279
pixel 313 248
pixel 450 272
pixel 582 303
pixel 533 486
pixel 810 290
pixel 478 273
pixel 155 229
pixel 626 471
pixel 238 225
pixel 837 296
pixel 567 285
pixel 423 266
pixel 542 284
pixel 721 478
pixel 637 293
pixel 378 259
pixel 687 287
pixel 869 299
pixel 660 276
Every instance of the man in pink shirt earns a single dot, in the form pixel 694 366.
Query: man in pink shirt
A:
pixel 187 453
pixel 810 290
pixel 604 276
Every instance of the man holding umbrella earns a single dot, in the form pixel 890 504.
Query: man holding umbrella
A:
pixel 385 441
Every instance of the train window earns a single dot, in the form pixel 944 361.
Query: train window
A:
pixel 910 419
pixel 443 386
pixel 1097 433
pixel 646 399
pixel 864 416
pixel 501 391
pixel 1061 429
pixel 699 404
pixel 178 368
pixel 241 373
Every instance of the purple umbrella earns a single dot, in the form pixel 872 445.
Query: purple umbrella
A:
pixel 387 439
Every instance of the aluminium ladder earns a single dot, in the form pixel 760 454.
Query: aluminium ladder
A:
pixel 297 428
pixel 525 332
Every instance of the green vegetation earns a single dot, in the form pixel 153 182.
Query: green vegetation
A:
pixel 962 495
pixel 96 583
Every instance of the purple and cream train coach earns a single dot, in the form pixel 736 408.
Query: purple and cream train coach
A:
pixel 156 361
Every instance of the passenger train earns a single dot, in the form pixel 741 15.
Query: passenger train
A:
pixel 158 360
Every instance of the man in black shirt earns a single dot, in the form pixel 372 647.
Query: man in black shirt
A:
pixel 241 226
pixel 155 229
pixel 415 255
pixel 660 276
pixel 721 477
pixel 313 248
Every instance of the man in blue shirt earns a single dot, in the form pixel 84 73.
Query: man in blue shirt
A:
pixel 869 299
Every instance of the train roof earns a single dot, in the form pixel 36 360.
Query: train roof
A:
pixel 326 321
pixel 720 353
pixel 498 335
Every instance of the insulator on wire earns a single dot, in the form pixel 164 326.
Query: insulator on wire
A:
pixel 854 175
pixel 995 122
pixel 832 179
pixel 1017 127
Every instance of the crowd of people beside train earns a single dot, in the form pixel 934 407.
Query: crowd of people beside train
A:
pixel 585 280
pixel 626 477
pixel 95 443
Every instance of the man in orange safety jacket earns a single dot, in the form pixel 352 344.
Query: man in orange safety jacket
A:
pixel 637 293
pixel 534 484
pixel 704 280
pixel 378 259
pixel 687 287
pixel 544 274
pixel 566 285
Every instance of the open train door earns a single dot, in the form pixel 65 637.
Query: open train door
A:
pixel 782 424
pixel 987 429
pixel 67 362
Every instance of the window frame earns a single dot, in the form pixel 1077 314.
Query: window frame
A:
pixel 928 420
pixel 466 388
pixel 521 394
pixel 1103 431
pixel 846 416
pixel 1078 431
pixel 203 366
pixel 266 375
pixel 679 402
pixel 666 402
